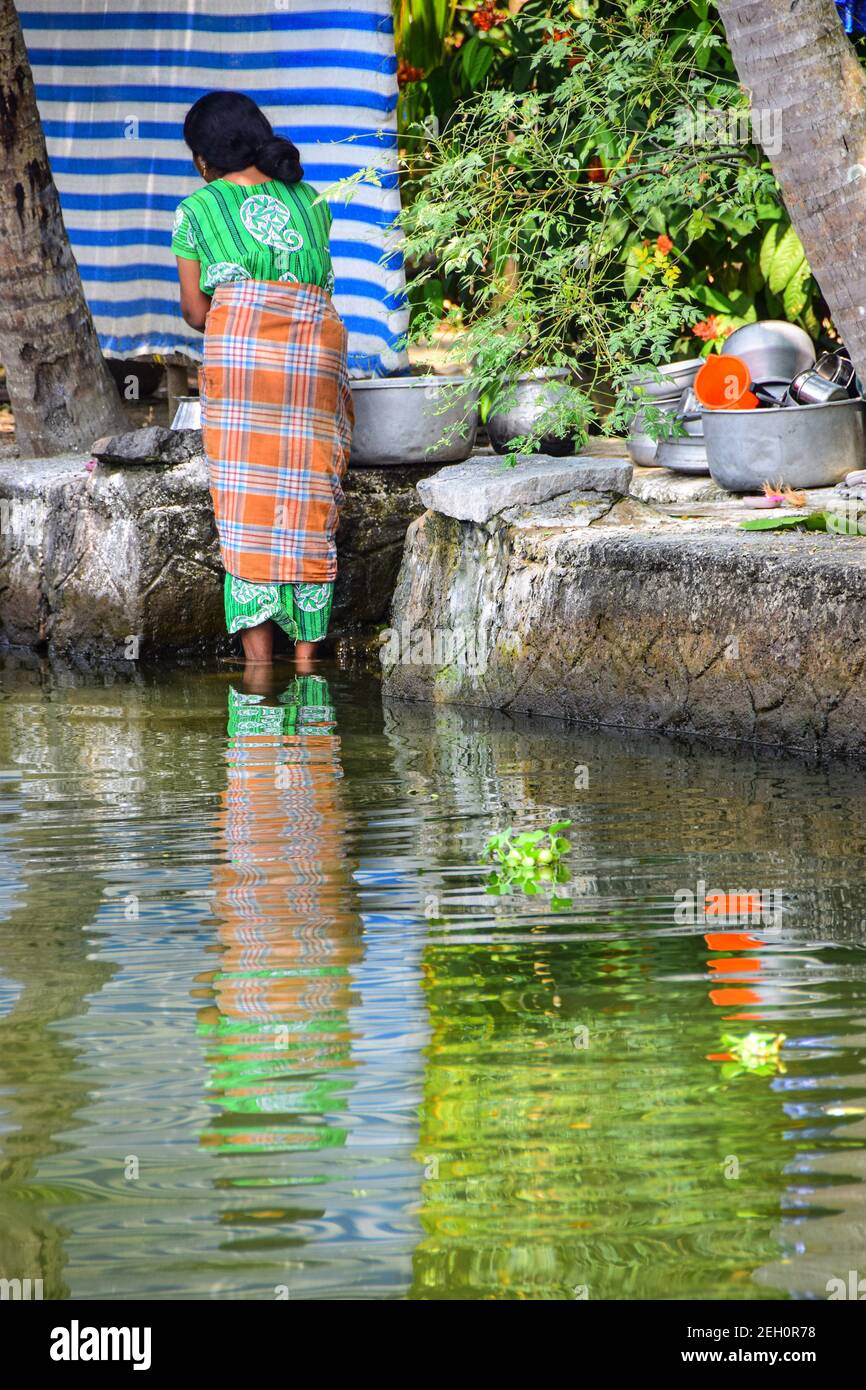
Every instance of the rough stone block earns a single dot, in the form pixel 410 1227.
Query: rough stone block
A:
pixel 150 446
pixel 482 487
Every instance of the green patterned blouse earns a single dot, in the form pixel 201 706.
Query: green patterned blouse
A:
pixel 267 231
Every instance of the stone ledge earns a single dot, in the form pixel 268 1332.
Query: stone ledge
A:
pixel 687 628
pixel 483 487
pixel 90 558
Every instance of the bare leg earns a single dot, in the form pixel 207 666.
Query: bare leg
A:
pixel 305 657
pixel 258 643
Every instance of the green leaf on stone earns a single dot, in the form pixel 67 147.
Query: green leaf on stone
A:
pixel 771 523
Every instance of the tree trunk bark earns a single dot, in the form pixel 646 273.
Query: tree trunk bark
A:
pixel 808 95
pixel 61 391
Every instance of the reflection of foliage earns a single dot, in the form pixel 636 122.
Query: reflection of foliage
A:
pixel 756 1053
pixel 599 204
pixel 528 859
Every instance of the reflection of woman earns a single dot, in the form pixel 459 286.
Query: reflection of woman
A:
pixel 278 1020
pixel 255 275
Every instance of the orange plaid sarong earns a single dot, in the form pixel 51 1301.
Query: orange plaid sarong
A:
pixel 276 422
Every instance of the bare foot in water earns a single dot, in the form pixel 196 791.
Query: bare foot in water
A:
pixel 305 657
pixel 258 644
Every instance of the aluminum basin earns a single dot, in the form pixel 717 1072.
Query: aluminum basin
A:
pixel 677 376
pixel 533 394
pixel 801 446
pixel 401 420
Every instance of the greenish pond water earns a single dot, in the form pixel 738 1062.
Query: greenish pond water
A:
pixel 263 1032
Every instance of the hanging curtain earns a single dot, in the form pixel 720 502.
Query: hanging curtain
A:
pixel 114 79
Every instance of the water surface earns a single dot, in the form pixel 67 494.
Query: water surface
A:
pixel 263 1032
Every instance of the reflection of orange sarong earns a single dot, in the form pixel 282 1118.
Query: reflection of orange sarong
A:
pixel 287 938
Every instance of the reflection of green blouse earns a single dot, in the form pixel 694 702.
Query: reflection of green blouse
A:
pixel 264 231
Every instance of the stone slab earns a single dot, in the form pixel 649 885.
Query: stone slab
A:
pixel 483 486
pixel 151 445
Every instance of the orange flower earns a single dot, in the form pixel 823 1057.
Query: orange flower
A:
pixel 664 244
pixel 708 329
pixel 488 16
pixel 406 73
pixel 556 37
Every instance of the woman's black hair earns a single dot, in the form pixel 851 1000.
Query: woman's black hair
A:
pixel 229 132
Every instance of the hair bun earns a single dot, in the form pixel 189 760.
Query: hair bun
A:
pixel 279 158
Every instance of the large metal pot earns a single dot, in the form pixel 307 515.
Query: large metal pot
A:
pixel 534 393
pixel 773 350
pixel 801 446
pixel 400 420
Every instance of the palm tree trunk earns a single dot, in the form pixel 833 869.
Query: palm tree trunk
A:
pixel 807 88
pixel 61 392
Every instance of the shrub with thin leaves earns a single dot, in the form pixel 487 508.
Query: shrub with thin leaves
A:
pixel 596 217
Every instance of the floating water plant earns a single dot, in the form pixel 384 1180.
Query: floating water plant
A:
pixel 758 1053
pixel 527 859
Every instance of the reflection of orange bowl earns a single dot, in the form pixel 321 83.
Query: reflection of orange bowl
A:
pixel 723 384
pixel 732 941
pixel 722 997
pixel 733 905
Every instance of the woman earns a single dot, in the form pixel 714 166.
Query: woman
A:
pixel 255 275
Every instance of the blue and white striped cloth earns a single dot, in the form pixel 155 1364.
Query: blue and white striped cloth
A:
pixel 114 80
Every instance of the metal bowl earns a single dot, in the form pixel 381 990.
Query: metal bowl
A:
pixel 402 420
pixel 801 446
pixel 188 413
pixel 684 454
pixel 773 350
pixel 534 393
pixel 677 376
pixel 642 450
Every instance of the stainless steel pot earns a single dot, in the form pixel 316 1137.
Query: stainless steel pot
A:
pixel 773 350
pixel 677 376
pixel 810 388
pixel 403 420
pixel 685 454
pixel 188 413
pixel 801 446
pixel 641 446
pixel 534 393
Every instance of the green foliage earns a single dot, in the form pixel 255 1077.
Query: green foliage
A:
pixel 594 202
pixel 528 859
pixel 444 56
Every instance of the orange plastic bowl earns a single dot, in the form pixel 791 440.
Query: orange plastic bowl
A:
pixel 723 384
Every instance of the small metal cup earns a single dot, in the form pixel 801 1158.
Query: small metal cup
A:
pixel 810 388
pixel 836 366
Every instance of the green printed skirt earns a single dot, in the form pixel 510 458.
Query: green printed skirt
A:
pixel 301 610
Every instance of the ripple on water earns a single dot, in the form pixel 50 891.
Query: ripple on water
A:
pixel 262 1026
